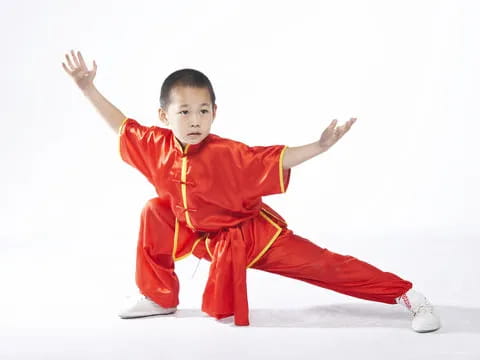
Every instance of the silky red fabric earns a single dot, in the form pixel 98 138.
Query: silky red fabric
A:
pixel 289 255
pixel 214 192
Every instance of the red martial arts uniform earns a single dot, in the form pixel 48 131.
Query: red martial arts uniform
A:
pixel 210 205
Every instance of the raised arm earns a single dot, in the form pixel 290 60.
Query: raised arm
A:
pixel 83 77
pixel 296 155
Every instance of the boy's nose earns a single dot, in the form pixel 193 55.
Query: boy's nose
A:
pixel 195 121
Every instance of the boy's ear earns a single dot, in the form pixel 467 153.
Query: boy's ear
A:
pixel 162 115
pixel 214 111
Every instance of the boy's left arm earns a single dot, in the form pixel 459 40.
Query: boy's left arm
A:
pixel 296 155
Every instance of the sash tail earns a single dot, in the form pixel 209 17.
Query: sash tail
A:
pixel 239 266
pixel 225 293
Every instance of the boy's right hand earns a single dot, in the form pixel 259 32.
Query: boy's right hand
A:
pixel 79 72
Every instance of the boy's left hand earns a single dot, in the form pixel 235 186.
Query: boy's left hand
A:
pixel 333 133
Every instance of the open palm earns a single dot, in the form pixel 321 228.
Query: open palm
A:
pixel 333 133
pixel 78 70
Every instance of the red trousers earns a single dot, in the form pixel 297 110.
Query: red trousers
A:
pixel 162 242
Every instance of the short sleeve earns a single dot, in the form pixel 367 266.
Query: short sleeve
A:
pixel 264 174
pixel 139 146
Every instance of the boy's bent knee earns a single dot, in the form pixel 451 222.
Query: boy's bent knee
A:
pixel 154 205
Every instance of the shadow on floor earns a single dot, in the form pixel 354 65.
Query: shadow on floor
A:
pixel 455 319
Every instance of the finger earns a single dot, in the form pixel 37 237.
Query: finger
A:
pixel 68 71
pixel 94 67
pixel 343 127
pixel 75 60
pixel 332 124
pixel 82 62
pixel 352 121
pixel 72 67
pixel 347 126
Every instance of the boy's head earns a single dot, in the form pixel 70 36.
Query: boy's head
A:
pixel 187 105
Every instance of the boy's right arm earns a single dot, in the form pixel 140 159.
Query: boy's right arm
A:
pixel 83 77
pixel 109 112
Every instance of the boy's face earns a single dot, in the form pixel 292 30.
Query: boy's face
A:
pixel 190 111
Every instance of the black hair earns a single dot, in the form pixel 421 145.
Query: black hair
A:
pixel 184 77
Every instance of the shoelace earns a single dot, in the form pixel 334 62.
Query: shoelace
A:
pixel 424 308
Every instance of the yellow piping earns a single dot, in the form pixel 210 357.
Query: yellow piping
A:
pixel 280 163
pixel 189 253
pixel 208 249
pixel 184 196
pixel 119 135
pixel 279 230
pixel 178 143
pixel 195 244
pixel 122 125
pixel 184 187
pixel 175 239
pixel 175 244
pixel 273 215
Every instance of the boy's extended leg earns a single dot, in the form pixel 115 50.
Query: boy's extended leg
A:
pixel 296 257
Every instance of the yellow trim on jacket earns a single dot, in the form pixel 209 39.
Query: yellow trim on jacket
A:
pixel 184 185
pixel 275 236
pixel 190 252
pixel 187 217
pixel 175 239
pixel 208 249
pixel 280 165
pixel 120 133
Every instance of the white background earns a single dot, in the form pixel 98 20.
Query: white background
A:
pixel 399 190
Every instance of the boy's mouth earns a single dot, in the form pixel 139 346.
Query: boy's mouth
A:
pixel 194 133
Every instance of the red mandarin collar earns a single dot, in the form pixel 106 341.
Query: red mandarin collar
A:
pixel 189 148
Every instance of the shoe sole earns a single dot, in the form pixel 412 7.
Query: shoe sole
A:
pixel 426 331
pixel 141 316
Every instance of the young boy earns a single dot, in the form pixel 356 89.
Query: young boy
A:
pixel 210 205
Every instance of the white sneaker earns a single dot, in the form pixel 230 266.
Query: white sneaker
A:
pixel 424 317
pixel 143 306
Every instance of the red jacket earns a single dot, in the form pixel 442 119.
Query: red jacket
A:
pixel 216 188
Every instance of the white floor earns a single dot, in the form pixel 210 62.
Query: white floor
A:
pixel 339 331
pixel 62 304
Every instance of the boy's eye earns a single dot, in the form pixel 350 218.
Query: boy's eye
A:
pixel 186 111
